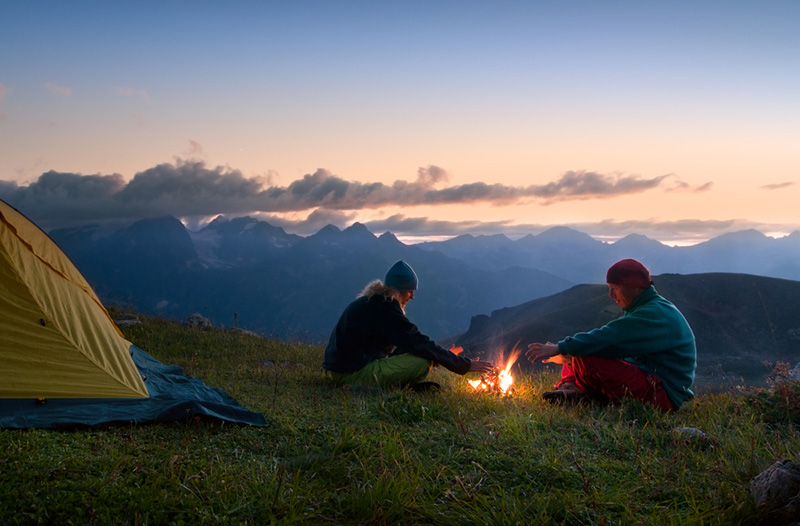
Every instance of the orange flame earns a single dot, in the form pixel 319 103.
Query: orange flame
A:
pixel 500 380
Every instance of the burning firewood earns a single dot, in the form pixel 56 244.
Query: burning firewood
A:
pixel 500 381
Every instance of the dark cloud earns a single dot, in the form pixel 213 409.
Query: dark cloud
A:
pixel 777 186
pixel 327 190
pixel 586 185
pixel 71 198
pixel 421 226
pixel 190 189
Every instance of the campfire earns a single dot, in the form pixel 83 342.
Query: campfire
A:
pixel 500 381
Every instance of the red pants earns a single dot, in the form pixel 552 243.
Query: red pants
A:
pixel 614 379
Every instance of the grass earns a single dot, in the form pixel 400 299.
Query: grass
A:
pixel 338 456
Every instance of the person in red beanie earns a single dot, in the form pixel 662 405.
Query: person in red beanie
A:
pixel 648 353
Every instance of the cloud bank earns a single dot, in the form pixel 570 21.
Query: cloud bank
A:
pixel 191 190
pixel 777 186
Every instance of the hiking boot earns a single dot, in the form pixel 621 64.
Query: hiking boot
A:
pixel 566 393
pixel 425 387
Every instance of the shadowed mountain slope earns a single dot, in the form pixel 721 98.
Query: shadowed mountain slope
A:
pixel 278 285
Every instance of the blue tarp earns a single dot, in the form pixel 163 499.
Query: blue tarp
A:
pixel 173 397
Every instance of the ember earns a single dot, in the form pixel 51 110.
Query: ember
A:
pixel 500 381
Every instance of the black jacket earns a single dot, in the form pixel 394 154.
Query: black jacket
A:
pixel 374 327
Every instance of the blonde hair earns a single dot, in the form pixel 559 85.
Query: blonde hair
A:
pixel 379 288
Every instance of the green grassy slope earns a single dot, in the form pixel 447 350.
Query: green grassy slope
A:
pixel 337 456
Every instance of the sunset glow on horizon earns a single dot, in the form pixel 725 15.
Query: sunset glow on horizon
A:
pixel 678 121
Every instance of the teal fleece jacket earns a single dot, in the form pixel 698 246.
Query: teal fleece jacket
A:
pixel 651 334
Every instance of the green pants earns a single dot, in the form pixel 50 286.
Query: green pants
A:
pixel 394 371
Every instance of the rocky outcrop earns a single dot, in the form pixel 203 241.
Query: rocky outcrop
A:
pixel 777 491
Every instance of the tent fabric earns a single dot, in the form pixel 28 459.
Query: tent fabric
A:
pixel 56 338
pixel 63 361
pixel 173 397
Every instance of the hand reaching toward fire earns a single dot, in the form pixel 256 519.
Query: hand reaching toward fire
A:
pixel 560 359
pixel 547 352
pixel 478 366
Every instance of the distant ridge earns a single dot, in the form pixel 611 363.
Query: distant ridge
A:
pixel 279 285
pixel 579 258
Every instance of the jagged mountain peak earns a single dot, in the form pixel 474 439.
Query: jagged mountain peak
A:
pixel 221 221
pixel 637 240
pixel 740 236
pixel 326 231
pixel 167 221
pixel 242 240
pixel 331 234
pixel 389 240
pixel 387 235
pixel 358 230
pixel 564 233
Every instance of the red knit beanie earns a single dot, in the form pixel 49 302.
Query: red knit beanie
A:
pixel 629 273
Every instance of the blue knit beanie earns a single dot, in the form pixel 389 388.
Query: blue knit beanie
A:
pixel 401 277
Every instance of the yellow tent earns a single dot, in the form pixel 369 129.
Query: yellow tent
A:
pixel 56 338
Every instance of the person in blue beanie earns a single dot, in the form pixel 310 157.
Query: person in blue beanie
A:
pixel 374 344
pixel 648 353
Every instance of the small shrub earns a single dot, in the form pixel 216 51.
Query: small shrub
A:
pixel 780 402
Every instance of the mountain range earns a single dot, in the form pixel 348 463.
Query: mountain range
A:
pixel 254 275
pixel 580 258
pixel 475 290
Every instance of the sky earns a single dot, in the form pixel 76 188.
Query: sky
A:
pixel 675 120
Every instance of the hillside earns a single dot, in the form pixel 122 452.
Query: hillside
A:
pixel 339 456
pixel 743 324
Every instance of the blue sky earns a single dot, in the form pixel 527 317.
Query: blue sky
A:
pixel 676 120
